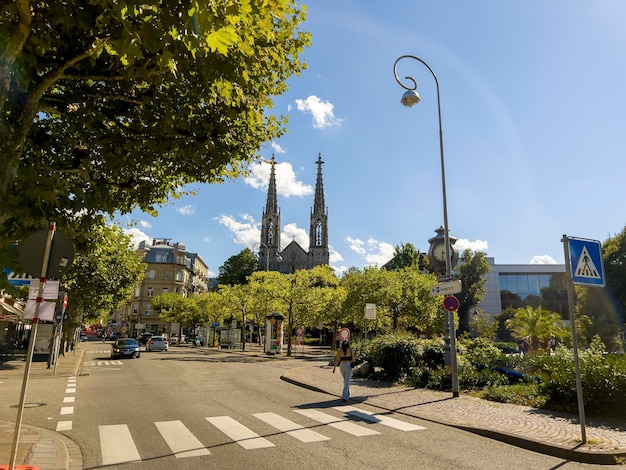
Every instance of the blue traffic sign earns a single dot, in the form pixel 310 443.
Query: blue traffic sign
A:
pixel 586 261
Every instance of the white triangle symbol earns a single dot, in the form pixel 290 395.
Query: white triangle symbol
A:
pixel 585 266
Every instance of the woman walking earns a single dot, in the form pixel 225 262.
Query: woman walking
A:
pixel 344 358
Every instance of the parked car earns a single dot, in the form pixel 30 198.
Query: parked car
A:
pixel 125 347
pixel 174 339
pixel 157 343
pixel 144 337
pixel 84 337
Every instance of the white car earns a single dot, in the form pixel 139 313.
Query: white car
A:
pixel 157 343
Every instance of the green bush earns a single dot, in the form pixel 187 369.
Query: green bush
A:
pixel 394 354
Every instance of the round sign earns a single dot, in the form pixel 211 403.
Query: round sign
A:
pixel 299 331
pixel 451 303
pixel 344 334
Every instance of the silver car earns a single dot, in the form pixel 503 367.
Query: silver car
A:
pixel 157 343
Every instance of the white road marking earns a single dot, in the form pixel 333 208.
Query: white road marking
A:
pixel 379 418
pixel 117 445
pixel 64 426
pixel 291 428
pixel 69 399
pixel 67 410
pixel 180 440
pixel 337 423
pixel 70 390
pixel 243 436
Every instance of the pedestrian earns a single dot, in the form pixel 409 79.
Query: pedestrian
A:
pixel 344 358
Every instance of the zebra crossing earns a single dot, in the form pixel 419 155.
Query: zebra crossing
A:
pixel 101 362
pixel 117 445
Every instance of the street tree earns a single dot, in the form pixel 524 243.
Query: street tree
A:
pixel 103 277
pixel 175 308
pixel 596 315
pixel 238 299
pixel 473 269
pixel 614 260
pixel 238 268
pixel 118 105
pixel 405 256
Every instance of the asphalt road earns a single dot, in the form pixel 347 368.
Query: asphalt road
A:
pixel 194 408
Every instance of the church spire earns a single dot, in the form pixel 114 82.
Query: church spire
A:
pixel 270 224
pixel 271 206
pixel 318 234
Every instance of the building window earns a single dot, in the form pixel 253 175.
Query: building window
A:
pixel 164 290
pixel 319 233
pixel 137 292
pixel 151 274
pixel 150 292
pixel 166 275
pixel 160 258
pixel 148 309
pixel 179 275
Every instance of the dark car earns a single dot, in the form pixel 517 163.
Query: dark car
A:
pixel 125 347
pixel 144 337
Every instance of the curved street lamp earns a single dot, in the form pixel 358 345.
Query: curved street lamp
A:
pixel 410 98
pixel 267 254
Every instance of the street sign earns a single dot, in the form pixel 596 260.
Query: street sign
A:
pixel 369 313
pixel 50 290
pixel 445 277
pixel 18 279
pixel 446 288
pixel 586 261
pixel 344 334
pixel 451 303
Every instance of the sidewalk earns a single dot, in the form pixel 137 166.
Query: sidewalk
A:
pixel 556 434
pixel 38 447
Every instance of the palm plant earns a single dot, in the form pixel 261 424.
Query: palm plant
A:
pixel 535 324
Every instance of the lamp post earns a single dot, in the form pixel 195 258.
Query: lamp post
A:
pixel 410 98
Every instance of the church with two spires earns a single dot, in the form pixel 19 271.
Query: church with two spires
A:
pixel 294 257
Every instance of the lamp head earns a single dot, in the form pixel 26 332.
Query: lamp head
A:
pixel 410 98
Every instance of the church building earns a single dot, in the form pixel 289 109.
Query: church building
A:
pixel 293 256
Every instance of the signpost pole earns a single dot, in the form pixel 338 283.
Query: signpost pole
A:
pixel 572 317
pixel 31 346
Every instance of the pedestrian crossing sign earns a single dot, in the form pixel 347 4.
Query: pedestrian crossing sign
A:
pixel 586 262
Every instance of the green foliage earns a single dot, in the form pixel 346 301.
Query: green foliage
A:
pixel 529 394
pixel 395 354
pixel 238 268
pixel 404 256
pixel 123 105
pixel 614 260
pixel 536 324
pixel 473 270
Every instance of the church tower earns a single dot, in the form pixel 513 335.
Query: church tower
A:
pixel 318 235
pixel 270 225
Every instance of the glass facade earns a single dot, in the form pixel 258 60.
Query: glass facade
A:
pixel 534 289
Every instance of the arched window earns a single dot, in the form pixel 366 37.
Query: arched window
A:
pixel 319 238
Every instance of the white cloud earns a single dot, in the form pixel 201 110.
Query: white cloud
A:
pixel 356 245
pixel 322 112
pixel 542 259
pixel 145 224
pixel 292 232
pixel 185 210
pixel 277 148
pixel 287 183
pixel 206 239
pixel 375 252
pixel 477 245
pixel 246 233
pixel 137 236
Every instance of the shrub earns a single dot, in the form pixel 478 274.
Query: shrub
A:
pixel 394 354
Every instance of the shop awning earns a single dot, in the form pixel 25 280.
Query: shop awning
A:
pixel 10 312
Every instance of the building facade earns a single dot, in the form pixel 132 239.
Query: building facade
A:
pixel 520 285
pixel 169 268
pixel 294 257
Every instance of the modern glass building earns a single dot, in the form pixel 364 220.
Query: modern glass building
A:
pixel 520 285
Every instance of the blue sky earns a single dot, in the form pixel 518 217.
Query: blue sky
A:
pixel 533 102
